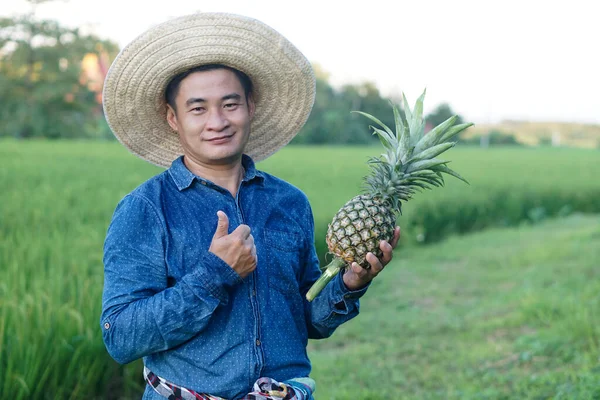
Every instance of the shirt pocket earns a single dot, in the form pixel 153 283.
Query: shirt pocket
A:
pixel 284 251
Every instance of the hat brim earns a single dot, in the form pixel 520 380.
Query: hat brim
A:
pixel 134 90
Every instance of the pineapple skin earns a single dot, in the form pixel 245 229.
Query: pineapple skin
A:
pixel 358 228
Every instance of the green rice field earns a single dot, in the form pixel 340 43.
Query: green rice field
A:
pixel 494 292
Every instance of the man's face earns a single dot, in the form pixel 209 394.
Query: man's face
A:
pixel 212 117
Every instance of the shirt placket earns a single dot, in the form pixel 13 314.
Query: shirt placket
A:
pixel 257 364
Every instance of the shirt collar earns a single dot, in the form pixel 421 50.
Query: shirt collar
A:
pixel 184 178
pixel 251 171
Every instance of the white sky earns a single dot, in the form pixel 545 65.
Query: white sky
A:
pixel 491 60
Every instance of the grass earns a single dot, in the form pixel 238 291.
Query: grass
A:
pixel 507 186
pixel 57 199
pixel 55 206
pixel 504 314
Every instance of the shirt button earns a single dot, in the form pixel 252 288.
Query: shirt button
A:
pixel 203 182
pixel 257 342
pixel 106 325
pixel 253 292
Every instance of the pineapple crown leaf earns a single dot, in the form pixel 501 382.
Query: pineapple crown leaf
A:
pixel 405 149
pixel 441 178
pixel 399 119
pixel 425 172
pixel 455 130
pixel 387 137
pixel 407 110
pixel 434 135
pixel 424 164
pixel 416 123
pixel 402 130
pixel 432 152
pixel 445 169
pixel 377 121
pixel 388 140
pixel 408 164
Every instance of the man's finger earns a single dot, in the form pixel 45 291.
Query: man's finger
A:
pixel 222 225
pixel 387 250
pixel 242 231
pixel 396 237
pixel 358 270
pixel 376 265
pixel 250 241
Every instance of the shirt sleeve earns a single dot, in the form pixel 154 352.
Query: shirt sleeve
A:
pixel 141 313
pixel 335 304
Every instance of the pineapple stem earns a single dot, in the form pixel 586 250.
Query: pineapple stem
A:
pixel 331 270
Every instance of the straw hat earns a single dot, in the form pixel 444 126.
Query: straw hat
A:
pixel 134 91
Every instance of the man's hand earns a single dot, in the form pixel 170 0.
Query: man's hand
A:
pixel 356 277
pixel 236 249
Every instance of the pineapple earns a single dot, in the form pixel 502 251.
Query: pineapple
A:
pixel 408 165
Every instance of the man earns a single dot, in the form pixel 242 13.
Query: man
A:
pixel 207 264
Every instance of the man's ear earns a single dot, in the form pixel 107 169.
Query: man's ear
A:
pixel 251 106
pixel 172 118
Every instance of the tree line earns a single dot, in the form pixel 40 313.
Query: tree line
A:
pixel 51 81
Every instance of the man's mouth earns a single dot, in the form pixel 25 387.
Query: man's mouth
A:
pixel 220 139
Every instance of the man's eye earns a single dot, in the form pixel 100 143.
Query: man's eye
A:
pixel 231 105
pixel 198 109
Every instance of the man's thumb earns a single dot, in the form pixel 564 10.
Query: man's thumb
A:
pixel 222 225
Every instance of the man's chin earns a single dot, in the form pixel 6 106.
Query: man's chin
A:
pixel 215 158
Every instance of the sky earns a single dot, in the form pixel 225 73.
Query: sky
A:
pixel 490 60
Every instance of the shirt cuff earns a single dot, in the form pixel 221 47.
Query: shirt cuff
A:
pixel 350 294
pixel 216 276
pixel 345 299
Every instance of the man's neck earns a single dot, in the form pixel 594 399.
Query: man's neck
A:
pixel 228 176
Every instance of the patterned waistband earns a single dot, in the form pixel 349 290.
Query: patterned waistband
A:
pixel 263 389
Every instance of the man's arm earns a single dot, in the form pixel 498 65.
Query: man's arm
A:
pixel 141 314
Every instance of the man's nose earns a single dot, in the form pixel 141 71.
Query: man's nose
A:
pixel 217 120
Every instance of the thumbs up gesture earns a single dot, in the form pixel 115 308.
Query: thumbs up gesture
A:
pixel 236 249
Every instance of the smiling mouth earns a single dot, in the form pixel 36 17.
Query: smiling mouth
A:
pixel 220 138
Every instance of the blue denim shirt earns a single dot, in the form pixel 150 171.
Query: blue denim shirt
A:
pixel 190 316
